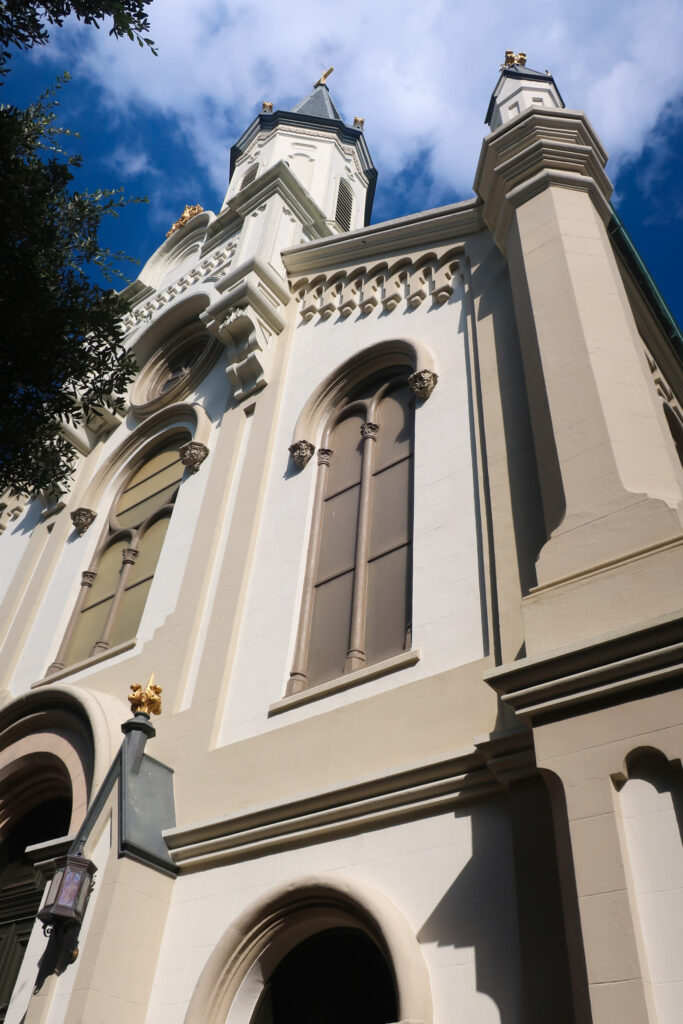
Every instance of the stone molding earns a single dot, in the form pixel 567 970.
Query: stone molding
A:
pixel 301 452
pixel 382 287
pixel 536 150
pixel 579 677
pixel 207 270
pixel 246 317
pixel 83 518
pixel 11 507
pixel 192 454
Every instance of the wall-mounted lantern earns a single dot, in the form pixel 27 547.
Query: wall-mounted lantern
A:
pixel 69 891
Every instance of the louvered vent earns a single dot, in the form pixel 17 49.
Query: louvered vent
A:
pixel 344 206
pixel 249 176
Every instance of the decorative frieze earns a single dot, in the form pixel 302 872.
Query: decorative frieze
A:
pixel 428 278
pixel 422 383
pixel 301 452
pixel 212 266
pixel 192 454
pixel 83 518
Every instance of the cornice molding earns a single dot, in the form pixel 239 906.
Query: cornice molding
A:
pixel 408 235
pixel 532 152
pixel 576 679
pixel 421 790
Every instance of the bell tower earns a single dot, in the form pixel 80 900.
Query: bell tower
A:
pixel 328 157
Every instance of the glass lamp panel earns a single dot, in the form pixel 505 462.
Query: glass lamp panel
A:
pixel 395 435
pixel 331 629
pixel 108 569
pixel 391 507
pixel 388 608
pixel 347 460
pixel 340 526
pixel 70 887
pixel 88 631
pixel 152 487
pixel 83 896
pixel 129 612
pixel 54 886
pixel 149 551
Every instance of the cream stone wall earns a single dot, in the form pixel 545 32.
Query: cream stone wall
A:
pixel 450 876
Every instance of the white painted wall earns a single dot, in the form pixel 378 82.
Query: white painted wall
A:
pixel 447 624
pixel 655 855
pixel 451 876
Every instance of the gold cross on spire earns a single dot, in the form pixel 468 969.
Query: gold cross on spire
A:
pixel 323 78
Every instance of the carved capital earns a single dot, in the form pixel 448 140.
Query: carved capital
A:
pixel 324 456
pixel 88 578
pixel 147 701
pixel 129 556
pixel 301 452
pixel 369 430
pixel 82 518
pixel 422 383
pixel 192 454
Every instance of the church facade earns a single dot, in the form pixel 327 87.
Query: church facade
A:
pixel 390 531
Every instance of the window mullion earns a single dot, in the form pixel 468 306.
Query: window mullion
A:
pixel 129 555
pixel 356 654
pixel 87 579
pixel 297 679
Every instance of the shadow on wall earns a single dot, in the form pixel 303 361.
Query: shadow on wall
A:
pixel 518 384
pixel 478 912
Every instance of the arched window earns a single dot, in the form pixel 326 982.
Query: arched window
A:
pixel 356 607
pixel 114 589
pixel 344 205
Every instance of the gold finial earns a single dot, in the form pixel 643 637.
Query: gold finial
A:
pixel 147 701
pixel 323 78
pixel 512 58
pixel 188 213
pixel 267 108
pixel 359 122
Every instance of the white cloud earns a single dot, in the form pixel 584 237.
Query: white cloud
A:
pixel 421 73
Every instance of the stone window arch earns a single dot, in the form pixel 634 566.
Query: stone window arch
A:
pixel 115 586
pixel 356 603
pixel 233 986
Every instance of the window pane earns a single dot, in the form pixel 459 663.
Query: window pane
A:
pixel 152 487
pixel 395 435
pixel 87 632
pixel 129 613
pixel 391 508
pixel 331 629
pixel 150 549
pixel 108 570
pixel 388 612
pixel 338 543
pixel 347 445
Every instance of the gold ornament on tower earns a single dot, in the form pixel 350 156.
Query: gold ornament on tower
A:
pixel 188 213
pixel 147 701
pixel 512 58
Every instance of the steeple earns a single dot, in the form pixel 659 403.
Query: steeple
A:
pixel 519 88
pixel 330 158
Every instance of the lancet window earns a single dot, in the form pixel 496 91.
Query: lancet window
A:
pixel 356 607
pixel 114 589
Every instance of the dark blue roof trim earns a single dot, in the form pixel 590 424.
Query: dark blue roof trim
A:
pixel 623 243
pixel 351 136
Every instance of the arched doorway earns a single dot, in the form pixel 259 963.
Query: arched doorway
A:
pixel 20 890
pixel 333 977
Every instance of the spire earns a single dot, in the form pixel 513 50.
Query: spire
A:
pixel 519 88
pixel 319 102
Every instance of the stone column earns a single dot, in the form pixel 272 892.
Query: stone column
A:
pixel 609 485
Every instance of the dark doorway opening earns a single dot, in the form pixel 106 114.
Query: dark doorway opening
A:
pixel 334 977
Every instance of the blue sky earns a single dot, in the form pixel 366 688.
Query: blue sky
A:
pixel 421 75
